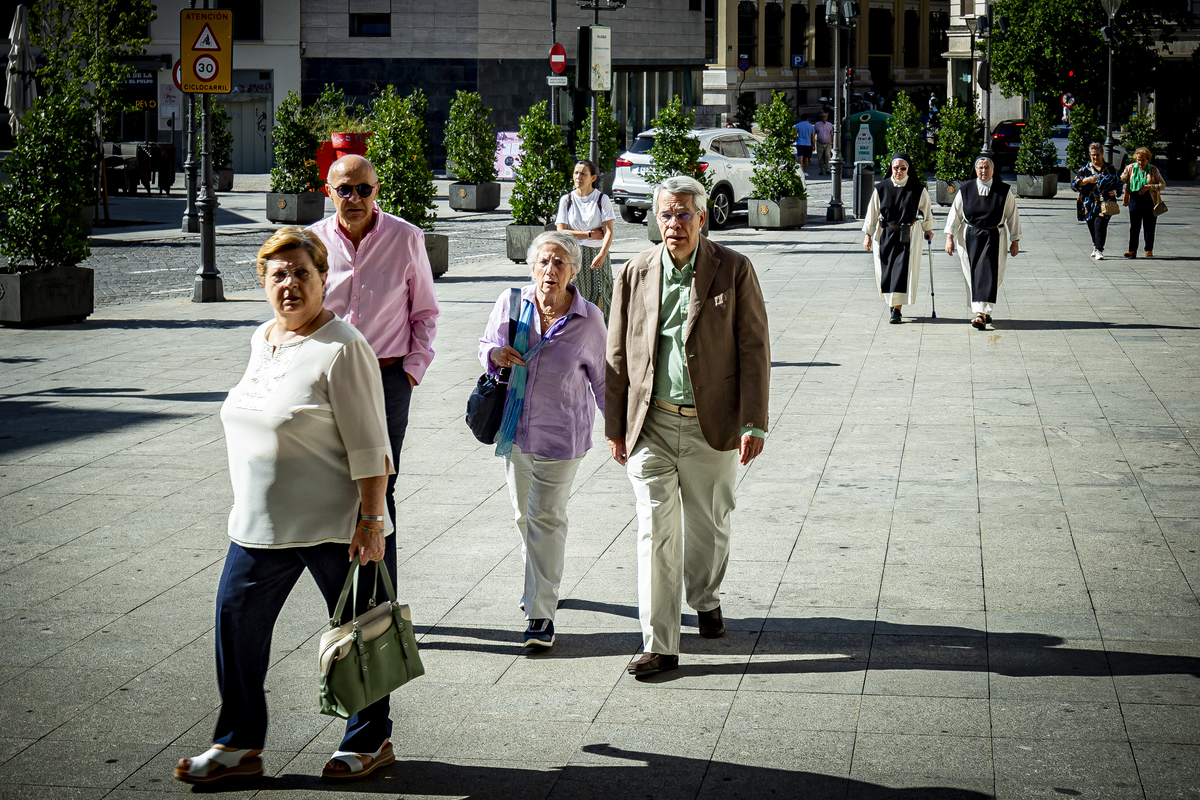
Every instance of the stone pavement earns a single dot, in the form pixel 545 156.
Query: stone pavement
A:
pixel 966 564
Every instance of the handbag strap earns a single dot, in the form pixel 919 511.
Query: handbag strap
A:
pixel 514 313
pixel 352 581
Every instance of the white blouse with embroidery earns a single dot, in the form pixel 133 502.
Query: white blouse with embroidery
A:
pixel 305 423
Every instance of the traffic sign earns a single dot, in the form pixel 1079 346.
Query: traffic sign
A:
pixel 206 42
pixel 557 80
pixel 797 60
pixel 1068 100
pixel 558 58
pixel 177 74
pixel 743 64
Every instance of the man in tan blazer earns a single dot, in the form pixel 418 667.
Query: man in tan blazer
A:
pixel 689 371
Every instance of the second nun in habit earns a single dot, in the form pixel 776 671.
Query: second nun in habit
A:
pixel 890 228
pixel 984 228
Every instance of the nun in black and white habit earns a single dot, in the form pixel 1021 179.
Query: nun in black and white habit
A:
pixel 892 222
pixel 985 229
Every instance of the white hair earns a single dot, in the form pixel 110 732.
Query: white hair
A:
pixel 682 184
pixel 564 240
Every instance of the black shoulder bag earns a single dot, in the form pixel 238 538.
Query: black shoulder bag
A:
pixel 485 406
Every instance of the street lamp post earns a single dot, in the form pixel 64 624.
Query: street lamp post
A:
pixel 973 24
pixel 1111 7
pixel 595 6
pixel 840 16
pixel 985 86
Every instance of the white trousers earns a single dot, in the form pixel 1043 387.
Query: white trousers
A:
pixel 684 491
pixel 539 489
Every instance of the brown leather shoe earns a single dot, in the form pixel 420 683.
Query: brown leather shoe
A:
pixel 1149 254
pixel 652 664
pixel 712 626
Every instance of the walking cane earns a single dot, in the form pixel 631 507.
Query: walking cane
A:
pixel 929 247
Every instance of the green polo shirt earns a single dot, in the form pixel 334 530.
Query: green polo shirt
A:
pixel 671 379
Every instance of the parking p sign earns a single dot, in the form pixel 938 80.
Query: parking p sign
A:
pixel 206 42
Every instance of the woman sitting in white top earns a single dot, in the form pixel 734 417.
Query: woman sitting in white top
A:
pixel 309 459
pixel 587 214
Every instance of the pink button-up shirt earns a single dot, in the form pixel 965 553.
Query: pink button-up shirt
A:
pixel 384 288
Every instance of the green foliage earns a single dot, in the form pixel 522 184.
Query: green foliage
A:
pixel 1139 132
pixel 222 137
pixel 958 142
pixel 775 174
pixel 746 106
pixel 906 134
pixel 295 170
pixel 675 151
pixel 1084 131
pixel 542 174
pixel 470 139
pixel 330 114
pixel 49 180
pixel 608 133
pixel 1038 155
pixel 399 150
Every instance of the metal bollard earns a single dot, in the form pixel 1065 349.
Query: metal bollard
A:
pixel 864 184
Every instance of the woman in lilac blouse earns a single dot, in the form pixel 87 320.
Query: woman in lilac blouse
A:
pixel 557 356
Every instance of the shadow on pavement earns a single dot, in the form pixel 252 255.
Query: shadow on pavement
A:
pixel 777 364
pixel 1085 325
pixel 131 391
pixel 166 324
pixel 36 424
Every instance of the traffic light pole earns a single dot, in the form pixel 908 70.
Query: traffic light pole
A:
pixel 836 212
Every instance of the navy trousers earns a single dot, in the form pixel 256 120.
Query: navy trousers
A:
pixel 254 585
pixel 397 397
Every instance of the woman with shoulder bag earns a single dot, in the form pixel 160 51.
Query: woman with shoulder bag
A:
pixel 586 213
pixel 1144 185
pixel 1098 186
pixel 554 388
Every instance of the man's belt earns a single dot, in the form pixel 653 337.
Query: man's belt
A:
pixel 387 362
pixel 683 411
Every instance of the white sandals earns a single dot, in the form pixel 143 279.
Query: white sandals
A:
pixel 380 758
pixel 215 765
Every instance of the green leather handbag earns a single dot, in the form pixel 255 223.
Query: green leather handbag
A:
pixel 370 656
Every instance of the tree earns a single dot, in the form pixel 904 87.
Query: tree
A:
pixel 1048 40
pixel 399 151
pixel 745 110
pixel 958 142
pixel 1139 132
pixel 774 173
pixel 295 144
pixel 675 151
pixel 542 171
pixel 906 134
pixel 49 174
pixel 1038 155
pixel 1084 131
pixel 470 139
pixel 608 131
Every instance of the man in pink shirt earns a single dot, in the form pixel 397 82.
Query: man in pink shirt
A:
pixel 380 282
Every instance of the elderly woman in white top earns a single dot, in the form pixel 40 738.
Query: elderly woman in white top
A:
pixel 587 214
pixel 309 459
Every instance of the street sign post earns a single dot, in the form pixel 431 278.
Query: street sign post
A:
pixel 1068 100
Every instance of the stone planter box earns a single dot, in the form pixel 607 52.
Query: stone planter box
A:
pixel 437 247
pixel 225 179
pixel 655 235
pixel 475 196
pixel 946 191
pixel 604 181
pixel 789 212
pixel 50 297
pixel 519 237
pixel 1040 186
pixel 296 209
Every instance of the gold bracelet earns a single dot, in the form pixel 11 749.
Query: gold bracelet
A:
pixel 369 529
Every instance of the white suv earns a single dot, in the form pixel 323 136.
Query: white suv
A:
pixel 727 155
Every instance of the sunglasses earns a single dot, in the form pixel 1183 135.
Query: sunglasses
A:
pixel 364 190
pixel 683 217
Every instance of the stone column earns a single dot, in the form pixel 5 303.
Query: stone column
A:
pixel 760 57
pixel 810 51
pixel 923 37
pixel 897 35
pixel 787 38
pixel 862 44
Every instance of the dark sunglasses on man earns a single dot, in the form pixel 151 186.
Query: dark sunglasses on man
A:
pixel 347 189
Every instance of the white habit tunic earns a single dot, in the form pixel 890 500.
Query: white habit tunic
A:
pixel 1010 231
pixel 873 227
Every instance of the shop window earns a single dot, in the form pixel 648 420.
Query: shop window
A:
pixel 370 24
pixel 748 31
pixel 247 19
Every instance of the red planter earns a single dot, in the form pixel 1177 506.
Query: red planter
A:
pixel 346 144
pixel 325 159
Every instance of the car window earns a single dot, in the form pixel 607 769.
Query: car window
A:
pixel 733 148
pixel 642 144
pixel 749 143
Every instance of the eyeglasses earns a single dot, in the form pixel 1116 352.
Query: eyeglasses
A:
pixel 364 190
pixel 684 217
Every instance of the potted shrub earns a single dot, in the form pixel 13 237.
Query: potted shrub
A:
pixel 295 197
pixel 906 134
pixel 323 117
pixel 677 152
pixel 608 134
pixel 399 150
pixel 471 147
pixel 957 146
pixel 1084 131
pixel 222 147
pixel 41 232
pixel 1037 160
pixel 542 177
pixel 779 199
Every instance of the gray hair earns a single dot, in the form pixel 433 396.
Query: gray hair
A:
pixel 682 184
pixel 564 240
pixel 1095 146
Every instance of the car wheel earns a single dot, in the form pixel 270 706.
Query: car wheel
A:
pixel 722 209
pixel 634 215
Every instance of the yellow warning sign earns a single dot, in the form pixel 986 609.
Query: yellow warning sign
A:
pixel 206 42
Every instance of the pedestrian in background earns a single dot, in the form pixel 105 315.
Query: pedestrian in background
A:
pixel 689 373
pixel 1143 185
pixel 586 213
pixel 824 131
pixel 984 228
pixel 380 282
pixel 890 227
pixel 806 140
pixel 1096 182
pixel 556 382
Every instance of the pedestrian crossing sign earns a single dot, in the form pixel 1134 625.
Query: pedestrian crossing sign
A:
pixel 206 45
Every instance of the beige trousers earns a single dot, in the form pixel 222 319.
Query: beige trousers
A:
pixel 824 153
pixel 684 492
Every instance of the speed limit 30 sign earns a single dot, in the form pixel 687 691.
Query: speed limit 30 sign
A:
pixel 206 44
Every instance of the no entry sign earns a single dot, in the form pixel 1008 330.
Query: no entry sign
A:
pixel 558 59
